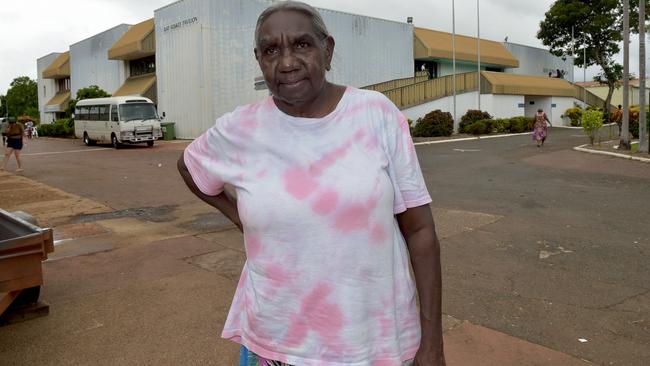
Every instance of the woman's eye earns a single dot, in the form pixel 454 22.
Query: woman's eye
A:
pixel 302 45
pixel 271 50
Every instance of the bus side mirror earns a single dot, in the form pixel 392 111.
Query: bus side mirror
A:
pixel 163 115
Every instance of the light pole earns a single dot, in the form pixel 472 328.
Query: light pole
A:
pixel 478 47
pixel 453 56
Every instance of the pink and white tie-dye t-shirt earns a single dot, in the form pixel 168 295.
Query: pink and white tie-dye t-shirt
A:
pixel 327 279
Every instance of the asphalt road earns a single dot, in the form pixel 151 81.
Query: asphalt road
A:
pixel 567 258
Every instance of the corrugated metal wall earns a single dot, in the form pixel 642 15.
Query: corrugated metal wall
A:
pixel 89 63
pixel 205 63
pixel 183 85
pixel 46 87
pixel 538 61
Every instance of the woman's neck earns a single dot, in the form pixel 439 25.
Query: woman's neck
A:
pixel 324 104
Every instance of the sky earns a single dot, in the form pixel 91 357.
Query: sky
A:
pixel 31 29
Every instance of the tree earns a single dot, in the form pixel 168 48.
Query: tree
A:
pixel 594 26
pixel 3 105
pixel 22 97
pixel 90 92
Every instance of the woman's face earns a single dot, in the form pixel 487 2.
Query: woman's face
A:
pixel 292 58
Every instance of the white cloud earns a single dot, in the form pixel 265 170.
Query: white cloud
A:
pixel 33 28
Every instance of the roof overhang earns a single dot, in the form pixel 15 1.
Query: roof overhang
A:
pixel 58 103
pixel 429 44
pixel 512 84
pixel 136 85
pixel 138 42
pixel 59 68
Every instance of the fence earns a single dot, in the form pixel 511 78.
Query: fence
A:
pixel 426 91
pixel 590 98
pixel 397 83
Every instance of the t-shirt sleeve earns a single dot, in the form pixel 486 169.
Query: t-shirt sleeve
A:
pixel 403 166
pixel 207 159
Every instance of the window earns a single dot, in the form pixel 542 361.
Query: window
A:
pixel 114 113
pixel 135 111
pixel 81 113
pixel 93 113
pixel 141 66
pixel 103 113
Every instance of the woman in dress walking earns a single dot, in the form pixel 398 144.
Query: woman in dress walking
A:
pixel 540 129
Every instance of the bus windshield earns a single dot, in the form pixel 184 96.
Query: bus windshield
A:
pixel 133 111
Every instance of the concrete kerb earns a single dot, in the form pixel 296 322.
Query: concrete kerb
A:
pixel 470 138
pixel 582 148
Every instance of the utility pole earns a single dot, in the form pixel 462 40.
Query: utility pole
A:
pixel 453 56
pixel 624 143
pixel 643 131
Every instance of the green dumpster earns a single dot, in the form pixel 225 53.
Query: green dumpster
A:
pixel 169 133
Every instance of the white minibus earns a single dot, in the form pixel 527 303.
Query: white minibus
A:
pixel 117 120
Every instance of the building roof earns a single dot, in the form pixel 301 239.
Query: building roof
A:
pixel 136 85
pixel 59 68
pixel 139 41
pixel 590 84
pixel 512 84
pixel 430 44
pixel 58 103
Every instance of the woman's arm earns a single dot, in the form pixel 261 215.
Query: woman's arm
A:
pixel 224 202
pixel 416 224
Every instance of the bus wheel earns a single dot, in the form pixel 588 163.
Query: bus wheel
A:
pixel 114 142
pixel 150 143
pixel 87 140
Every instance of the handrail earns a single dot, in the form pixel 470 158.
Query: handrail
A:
pixel 429 90
pixel 397 83
pixel 584 95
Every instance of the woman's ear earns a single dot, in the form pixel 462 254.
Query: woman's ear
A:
pixel 329 50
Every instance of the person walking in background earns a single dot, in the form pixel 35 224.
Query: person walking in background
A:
pixel 15 132
pixel 333 207
pixel 30 127
pixel 3 128
pixel 540 128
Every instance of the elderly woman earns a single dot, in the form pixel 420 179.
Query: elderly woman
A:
pixel 329 196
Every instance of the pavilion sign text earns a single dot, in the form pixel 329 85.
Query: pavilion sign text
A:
pixel 180 24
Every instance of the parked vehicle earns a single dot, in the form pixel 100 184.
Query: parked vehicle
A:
pixel 117 120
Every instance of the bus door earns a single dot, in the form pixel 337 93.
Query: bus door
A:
pixel 114 122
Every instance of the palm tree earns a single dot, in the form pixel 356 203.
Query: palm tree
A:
pixel 624 144
pixel 643 139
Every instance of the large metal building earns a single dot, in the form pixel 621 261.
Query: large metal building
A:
pixel 205 65
pixel 90 65
pixel 48 88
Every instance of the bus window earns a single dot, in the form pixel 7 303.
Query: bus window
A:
pixel 93 113
pixel 103 113
pixel 114 113
pixel 133 111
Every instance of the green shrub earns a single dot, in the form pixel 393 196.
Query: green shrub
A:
pixel 592 121
pixel 521 124
pixel 435 123
pixel 480 127
pixel 471 116
pixel 502 125
pixel 574 115
pixel 63 127
pixel 634 125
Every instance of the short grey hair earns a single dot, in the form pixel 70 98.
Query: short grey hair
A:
pixel 317 23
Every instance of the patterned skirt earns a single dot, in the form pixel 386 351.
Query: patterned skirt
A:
pixel 248 358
